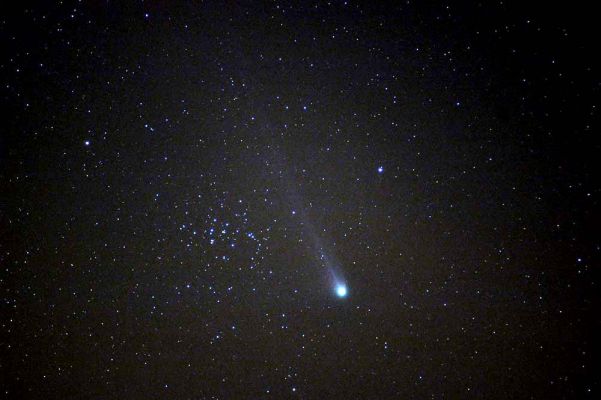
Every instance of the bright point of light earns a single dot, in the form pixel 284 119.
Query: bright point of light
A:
pixel 341 291
pixel 380 169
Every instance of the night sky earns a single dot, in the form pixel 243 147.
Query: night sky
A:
pixel 312 200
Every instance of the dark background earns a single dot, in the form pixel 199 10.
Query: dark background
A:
pixel 171 172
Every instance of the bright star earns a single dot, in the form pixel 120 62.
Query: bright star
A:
pixel 380 169
pixel 341 291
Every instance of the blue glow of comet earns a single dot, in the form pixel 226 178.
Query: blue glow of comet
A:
pixel 336 279
pixel 341 290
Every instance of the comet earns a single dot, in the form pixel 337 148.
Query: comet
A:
pixel 341 290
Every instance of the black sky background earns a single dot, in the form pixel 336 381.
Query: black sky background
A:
pixel 170 173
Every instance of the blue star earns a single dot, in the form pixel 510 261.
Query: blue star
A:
pixel 380 169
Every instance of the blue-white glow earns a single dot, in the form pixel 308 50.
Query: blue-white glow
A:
pixel 380 169
pixel 341 291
